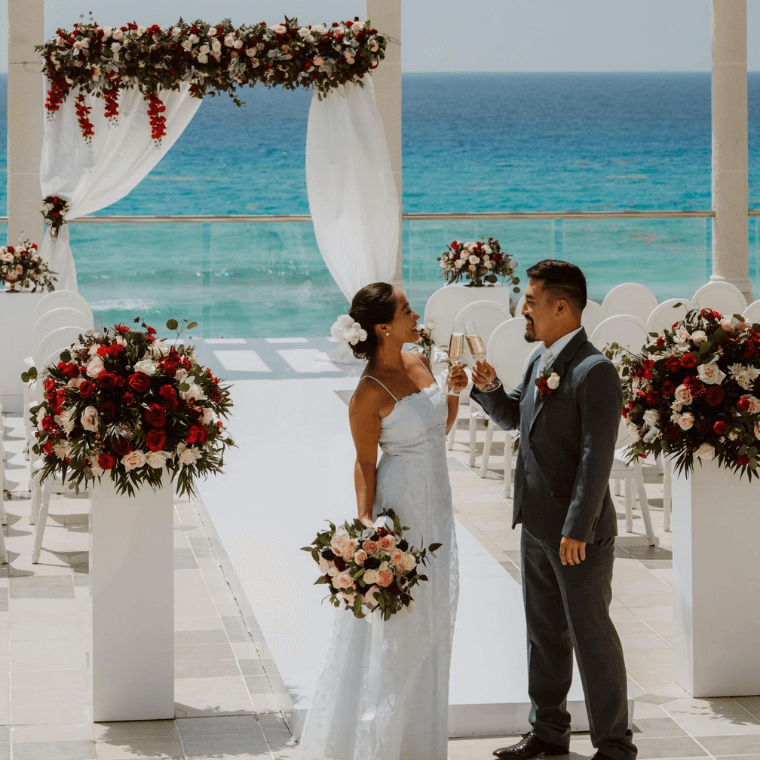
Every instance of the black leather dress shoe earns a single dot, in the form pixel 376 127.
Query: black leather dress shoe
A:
pixel 531 746
pixel 600 756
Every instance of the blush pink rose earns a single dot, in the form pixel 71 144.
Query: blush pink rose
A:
pixel 387 543
pixel 371 577
pixel 95 366
pixel 360 557
pixel 683 395
pixel 343 580
pixel 370 547
pixel 340 543
pixel 409 562
pixel 397 557
pixel 353 545
pixel 323 566
pixel 385 578
pixel 133 460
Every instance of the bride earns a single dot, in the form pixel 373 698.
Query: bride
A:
pixel 385 696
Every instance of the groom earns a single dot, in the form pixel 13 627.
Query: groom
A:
pixel 567 410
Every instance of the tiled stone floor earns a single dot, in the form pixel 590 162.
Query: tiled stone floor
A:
pixel 225 706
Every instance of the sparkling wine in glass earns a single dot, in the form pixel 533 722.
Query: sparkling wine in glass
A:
pixel 456 349
pixel 475 342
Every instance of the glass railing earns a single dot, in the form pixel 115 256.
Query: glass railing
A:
pixel 264 276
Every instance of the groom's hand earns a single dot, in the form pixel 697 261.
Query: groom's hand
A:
pixel 483 374
pixel 571 551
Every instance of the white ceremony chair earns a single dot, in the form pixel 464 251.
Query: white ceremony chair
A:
pixel 630 298
pixel 519 306
pixel 752 312
pixel 633 476
pixel 509 353
pixel 593 315
pixel 60 299
pixel 666 314
pixel 720 296
pixel 442 309
pixel 626 330
pixel 3 518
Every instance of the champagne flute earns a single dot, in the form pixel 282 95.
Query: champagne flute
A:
pixel 477 348
pixel 456 349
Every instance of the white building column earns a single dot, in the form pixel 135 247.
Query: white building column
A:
pixel 730 197
pixel 385 16
pixel 26 115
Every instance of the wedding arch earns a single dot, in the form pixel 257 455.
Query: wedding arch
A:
pixel 119 98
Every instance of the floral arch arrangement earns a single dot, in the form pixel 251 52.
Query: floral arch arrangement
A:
pixel 212 58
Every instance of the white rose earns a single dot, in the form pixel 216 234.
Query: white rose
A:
pixel 194 392
pixel 754 404
pixel 238 44
pixel 176 31
pixel 204 49
pixel 90 419
pixel 279 29
pixel 459 264
pixel 682 334
pixel 464 255
pixel 686 421
pixel 118 34
pixel 229 40
pixel 188 454
pixel 194 39
pixel 706 452
pixel 357 26
pixel 97 470
pixel 472 268
pixel 683 395
pixel 474 260
pixel 133 460
pixel 95 366
pixel 146 366
pixel 187 44
pixel 319 28
pixel 632 429
pixel 8 257
pixel 651 417
pixel 553 381
pixel 489 264
pixel 181 374
pixel 157 459
pixel 652 434
pixel 67 422
pixel 59 450
pixel 727 323
pixel 115 47
pixel 711 374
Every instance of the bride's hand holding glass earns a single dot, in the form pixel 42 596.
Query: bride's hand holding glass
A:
pixel 457 379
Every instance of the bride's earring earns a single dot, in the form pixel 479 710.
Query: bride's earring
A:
pixel 387 335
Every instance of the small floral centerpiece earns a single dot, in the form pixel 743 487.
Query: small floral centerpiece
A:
pixel 122 402
pixel 479 262
pixel 54 210
pixel 21 266
pixel 369 569
pixel 693 392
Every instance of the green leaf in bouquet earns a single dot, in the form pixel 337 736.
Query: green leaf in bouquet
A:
pixel 422 577
pixel 309 549
pixel 172 324
pixel 66 356
pixel 434 547
pixel 192 325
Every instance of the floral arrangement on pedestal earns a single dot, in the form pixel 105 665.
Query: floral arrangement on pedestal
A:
pixel 122 402
pixel 213 58
pixel 694 392
pixel 480 262
pixel 369 569
pixel 22 267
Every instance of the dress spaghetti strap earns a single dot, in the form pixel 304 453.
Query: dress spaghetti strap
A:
pixel 377 381
pixel 425 366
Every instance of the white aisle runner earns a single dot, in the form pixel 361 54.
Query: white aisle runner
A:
pixel 292 471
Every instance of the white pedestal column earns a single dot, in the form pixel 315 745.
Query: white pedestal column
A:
pixel 26 118
pixel 716 566
pixel 385 16
pixel 132 585
pixel 729 144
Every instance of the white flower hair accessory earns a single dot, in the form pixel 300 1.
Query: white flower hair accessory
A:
pixel 345 330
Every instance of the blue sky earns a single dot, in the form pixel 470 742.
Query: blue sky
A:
pixel 475 35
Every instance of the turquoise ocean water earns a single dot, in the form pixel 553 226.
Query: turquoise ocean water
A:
pixel 472 142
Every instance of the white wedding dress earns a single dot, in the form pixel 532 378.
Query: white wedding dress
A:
pixel 384 695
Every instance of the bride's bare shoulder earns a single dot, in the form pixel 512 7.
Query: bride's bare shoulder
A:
pixel 368 394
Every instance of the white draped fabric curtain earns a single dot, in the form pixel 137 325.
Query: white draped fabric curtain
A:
pixel 91 177
pixel 352 194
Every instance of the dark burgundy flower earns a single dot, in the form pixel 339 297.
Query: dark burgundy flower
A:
pixel 86 389
pixel 668 388
pixel 714 395
pixel 107 410
pixel 155 415
pixel 720 427
pixel 742 460
pixel 169 397
pixel 155 439
pixel 672 432
pixel 121 446
pixel 106 460
pixel 106 379
pixel 743 404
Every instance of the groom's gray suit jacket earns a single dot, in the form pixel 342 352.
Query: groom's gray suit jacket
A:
pixel 567 444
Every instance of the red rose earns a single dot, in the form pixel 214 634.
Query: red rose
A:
pixel 714 395
pixel 121 329
pixel 106 379
pixel 49 384
pixel 48 448
pixel 193 435
pixel 86 389
pixel 116 349
pixel 150 330
pixel 688 360
pixel 654 399
pixel 121 446
pixel 139 382
pixel 155 415
pixel 668 388
pixel 106 460
pixel 169 397
pixel 672 363
pixel 720 427
pixel 69 369
pixel 102 350
pixel 202 435
pixel 155 439
pixel 743 460
pixel 119 382
pixel 48 423
pixel 129 399
pixel 742 404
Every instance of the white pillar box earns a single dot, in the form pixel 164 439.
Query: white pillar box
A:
pixel 132 584
pixel 716 566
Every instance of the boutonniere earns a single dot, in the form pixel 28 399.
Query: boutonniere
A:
pixel 547 383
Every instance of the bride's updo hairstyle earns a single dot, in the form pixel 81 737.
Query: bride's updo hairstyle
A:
pixel 373 305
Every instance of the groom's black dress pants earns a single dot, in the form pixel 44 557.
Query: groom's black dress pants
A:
pixel 566 608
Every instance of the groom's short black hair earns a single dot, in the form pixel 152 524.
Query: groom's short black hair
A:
pixel 561 279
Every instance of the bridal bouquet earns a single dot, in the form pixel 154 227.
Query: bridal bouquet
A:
pixel 694 392
pixel 477 262
pixel 369 569
pixel 124 403
pixel 22 266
